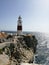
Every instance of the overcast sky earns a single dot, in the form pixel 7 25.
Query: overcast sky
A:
pixel 34 13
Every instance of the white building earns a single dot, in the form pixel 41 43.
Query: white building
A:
pixel 19 26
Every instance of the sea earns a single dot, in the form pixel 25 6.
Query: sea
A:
pixel 42 52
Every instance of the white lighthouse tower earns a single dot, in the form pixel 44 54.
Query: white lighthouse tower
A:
pixel 19 26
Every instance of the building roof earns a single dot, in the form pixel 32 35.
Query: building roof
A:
pixel 3 35
pixel 19 17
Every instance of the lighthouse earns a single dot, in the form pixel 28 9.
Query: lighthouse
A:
pixel 19 26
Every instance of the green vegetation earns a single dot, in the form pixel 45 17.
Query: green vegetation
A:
pixel 1 51
pixel 31 42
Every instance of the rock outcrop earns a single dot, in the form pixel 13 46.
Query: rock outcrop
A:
pixel 23 50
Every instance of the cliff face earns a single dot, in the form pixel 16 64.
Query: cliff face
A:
pixel 31 42
pixel 23 50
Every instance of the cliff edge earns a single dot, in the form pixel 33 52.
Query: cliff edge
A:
pixel 23 49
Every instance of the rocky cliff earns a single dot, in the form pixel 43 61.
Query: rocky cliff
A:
pixel 23 50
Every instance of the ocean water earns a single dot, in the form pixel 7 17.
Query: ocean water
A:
pixel 42 52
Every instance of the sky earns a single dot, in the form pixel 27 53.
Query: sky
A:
pixel 34 13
